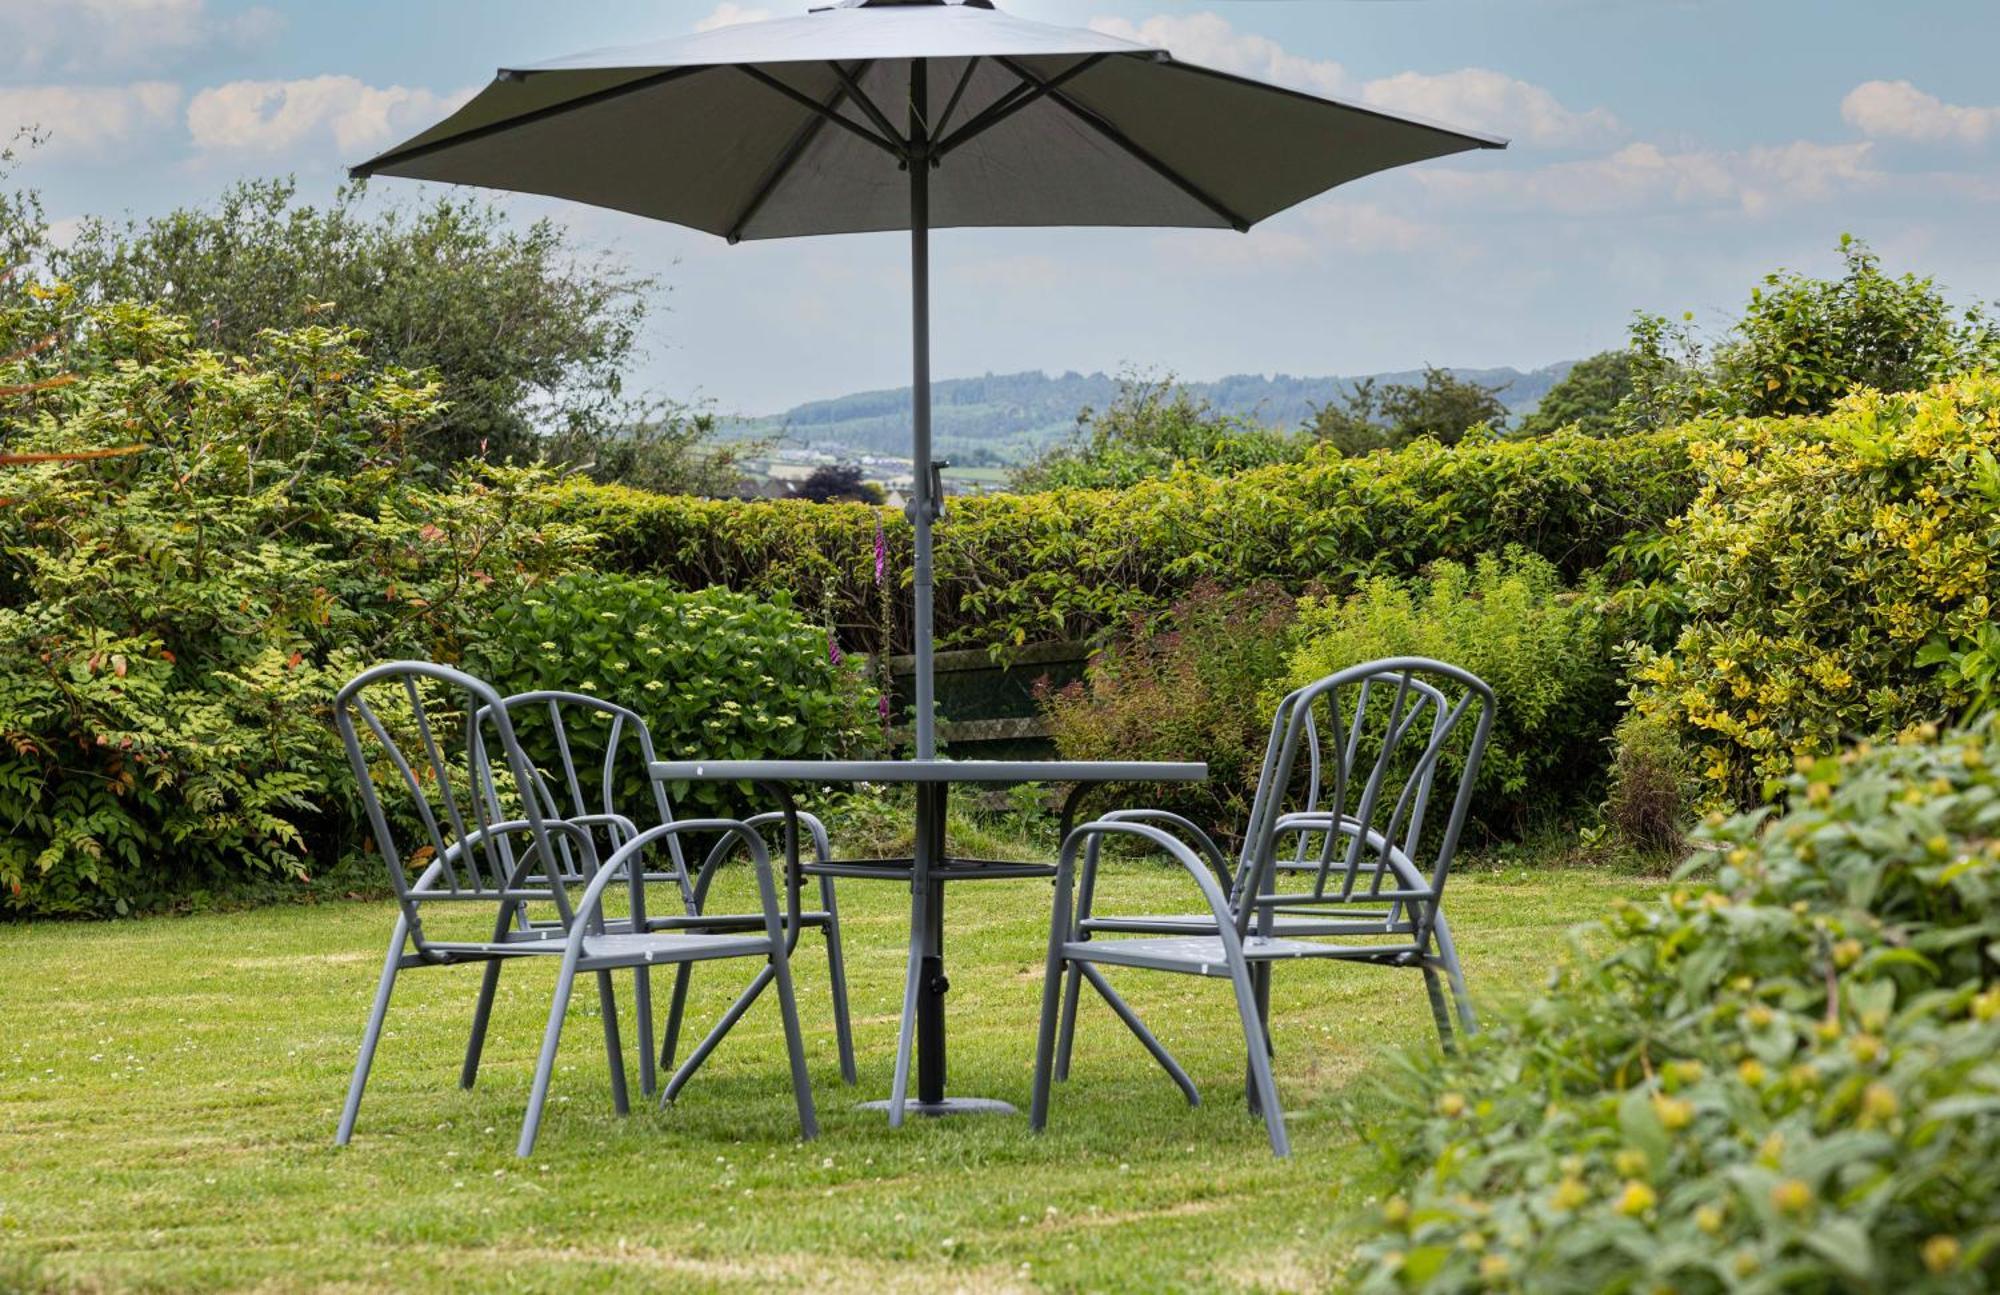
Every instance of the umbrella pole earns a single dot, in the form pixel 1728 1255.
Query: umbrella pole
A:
pixel 924 505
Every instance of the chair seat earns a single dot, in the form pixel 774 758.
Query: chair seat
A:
pixel 1203 955
pixel 613 949
pixel 1293 925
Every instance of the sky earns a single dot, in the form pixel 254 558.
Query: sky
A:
pixel 1666 154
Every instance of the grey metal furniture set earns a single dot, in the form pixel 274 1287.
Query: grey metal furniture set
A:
pixel 1342 859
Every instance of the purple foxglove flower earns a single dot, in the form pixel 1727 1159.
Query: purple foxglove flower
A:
pixel 881 554
pixel 834 655
pixel 882 707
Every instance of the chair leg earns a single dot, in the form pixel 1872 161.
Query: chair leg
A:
pixel 836 964
pixel 714 1037
pixel 1260 988
pixel 372 1035
pixel 670 1039
pixel 1433 986
pixel 642 1017
pixel 795 1044
pixel 1072 983
pixel 1053 978
pixel 607 1001
pixel 481 1014
pixel 899 1087
pixel 1140 1032
pixel 1455 973
pixel 545 1064
pixel 1264 1088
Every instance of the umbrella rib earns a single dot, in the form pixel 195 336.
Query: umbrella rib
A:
pixel 951 106
pixel 786 161
pixel 1138 151
pixel 1031 89
pixel 867 105
pixel 813 105
pixel 415 151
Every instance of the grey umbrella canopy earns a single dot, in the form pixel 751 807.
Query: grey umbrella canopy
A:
pixel 910 115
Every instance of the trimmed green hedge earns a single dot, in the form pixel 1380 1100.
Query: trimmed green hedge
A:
pixel 1016 569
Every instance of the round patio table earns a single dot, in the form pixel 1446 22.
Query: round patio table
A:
pixel 930 868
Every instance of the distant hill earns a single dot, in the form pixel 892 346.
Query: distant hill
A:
pixel 1008 417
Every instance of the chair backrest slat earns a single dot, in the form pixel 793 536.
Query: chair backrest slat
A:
pixel 476 864
pixel 1367 791
pixel 559 758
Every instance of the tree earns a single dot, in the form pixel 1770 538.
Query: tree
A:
pixel 530 335
pixel 1587 399
pixel 667 448
pixel 1804 343
pixel 1153 425
pixel 839 483
pixel 1444 408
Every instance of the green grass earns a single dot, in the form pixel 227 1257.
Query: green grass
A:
pixel 168 1091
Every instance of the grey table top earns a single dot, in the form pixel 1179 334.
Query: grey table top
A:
pixel 927 771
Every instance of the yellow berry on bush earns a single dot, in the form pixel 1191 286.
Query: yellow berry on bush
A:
pixel 1631 1162
pixel 1395 1211
pixel 1494 1268
pixel 1674 1113
pixel 1867 1049
pixel 1751 1071
pixel 1878 1103
pixel 1570 1194
pixel 1709 1219
pixel 1759 1017
pixel 1636 1199
pixel 1846 953
pixel 1792 1196
pixel 1941 1253
pixel 1451 1105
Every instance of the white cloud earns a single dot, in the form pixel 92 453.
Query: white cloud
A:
pixel 1481 99
pixel 92 121
pixel 728 15
pixel 95 37
pixel 1898 110
pixel 285 116
pixel 1208 39
pixel 1644 176
pixel 1475 98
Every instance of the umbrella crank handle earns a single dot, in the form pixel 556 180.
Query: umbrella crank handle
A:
pixel 937 487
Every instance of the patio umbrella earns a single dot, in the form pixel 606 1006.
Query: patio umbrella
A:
pixel 910 115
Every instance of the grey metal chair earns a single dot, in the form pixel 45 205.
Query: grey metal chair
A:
pixel 481 867
pixel 560 731
pixel 1351 815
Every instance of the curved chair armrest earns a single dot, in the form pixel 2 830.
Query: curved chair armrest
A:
pixel 562 827
pixel 822 844
pixel 1399 862
pixel 1216 858
pixel 1093 833
pixel 622 859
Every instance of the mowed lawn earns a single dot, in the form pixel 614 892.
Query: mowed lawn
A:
pixel 169 1087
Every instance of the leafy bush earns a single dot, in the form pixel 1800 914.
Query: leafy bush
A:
pixel 1197 686
pixel 173 625
pixel 1588 398
pixel 1831 567
pixel 1781 1079
pixel 1803 344
pixel 1071 564
pixel 1154 426
pixel 1508 619
pixel 1444 409
pixel 1652 789
pixel 716 675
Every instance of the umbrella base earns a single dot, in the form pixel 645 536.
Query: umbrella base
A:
pixel 948 1106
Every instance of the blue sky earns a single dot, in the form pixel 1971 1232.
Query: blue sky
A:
pixel 1667 152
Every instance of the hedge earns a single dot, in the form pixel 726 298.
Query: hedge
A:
pixel 1015 569
pixel 1840 576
